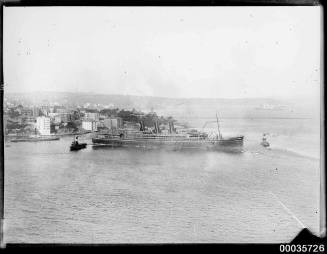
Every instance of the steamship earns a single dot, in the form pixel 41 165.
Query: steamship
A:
pixel 149 139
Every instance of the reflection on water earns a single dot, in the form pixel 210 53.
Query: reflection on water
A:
pixel 136 195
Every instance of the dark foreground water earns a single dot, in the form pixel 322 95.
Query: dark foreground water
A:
pixel 122 195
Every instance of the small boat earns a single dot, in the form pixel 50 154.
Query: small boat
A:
pixel 75 146
pixel 264 141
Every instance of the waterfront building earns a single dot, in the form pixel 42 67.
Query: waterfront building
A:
pixel 131 125
pixel 119 122
pixel 44 110
pixel 102 116
pixel 60 109
pixel 57 119
pixel 113 123
pixel 90 125
pixel 107 123
pixel 43 125
pixel 67 117
pixel 61 117
pixel 92 116
pixel 52 115
pixel 101 124
pixel 36 111
pixel 164 132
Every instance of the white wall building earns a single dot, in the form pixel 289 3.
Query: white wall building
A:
pixel 43 125
pixel 90 125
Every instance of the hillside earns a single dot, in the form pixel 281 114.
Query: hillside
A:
pixel 179 107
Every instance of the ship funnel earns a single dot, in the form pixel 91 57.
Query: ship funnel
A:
pixel 142 127
pixel 171 127
pixel 156 127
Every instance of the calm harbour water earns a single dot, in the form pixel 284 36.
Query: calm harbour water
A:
pixel 53 195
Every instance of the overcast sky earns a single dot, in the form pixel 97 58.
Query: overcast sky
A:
pixel 217 52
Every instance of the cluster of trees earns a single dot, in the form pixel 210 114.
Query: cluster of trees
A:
pixel 129 116
pixel 136 117
pixel 14 125
pixel 72 126
pixel 150 118
pixel 68 127
pixel 12 113
pixel 109 112
pixel 91 110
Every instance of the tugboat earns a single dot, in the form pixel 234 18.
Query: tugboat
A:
pixel 264 141
pixel 75 146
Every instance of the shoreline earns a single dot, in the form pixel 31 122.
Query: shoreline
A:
pixel 51 135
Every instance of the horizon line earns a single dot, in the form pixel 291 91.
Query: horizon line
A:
pixel 161 97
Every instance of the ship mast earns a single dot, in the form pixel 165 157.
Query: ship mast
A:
pixel 219 134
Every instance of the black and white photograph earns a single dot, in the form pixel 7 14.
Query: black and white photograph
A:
pixel 160 125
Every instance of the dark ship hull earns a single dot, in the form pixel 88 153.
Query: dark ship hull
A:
pixel 171 142
pixel 76 147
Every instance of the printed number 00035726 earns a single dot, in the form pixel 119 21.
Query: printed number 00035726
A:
pixel 309 248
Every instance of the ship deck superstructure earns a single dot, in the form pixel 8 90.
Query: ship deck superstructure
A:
pixel 176 140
